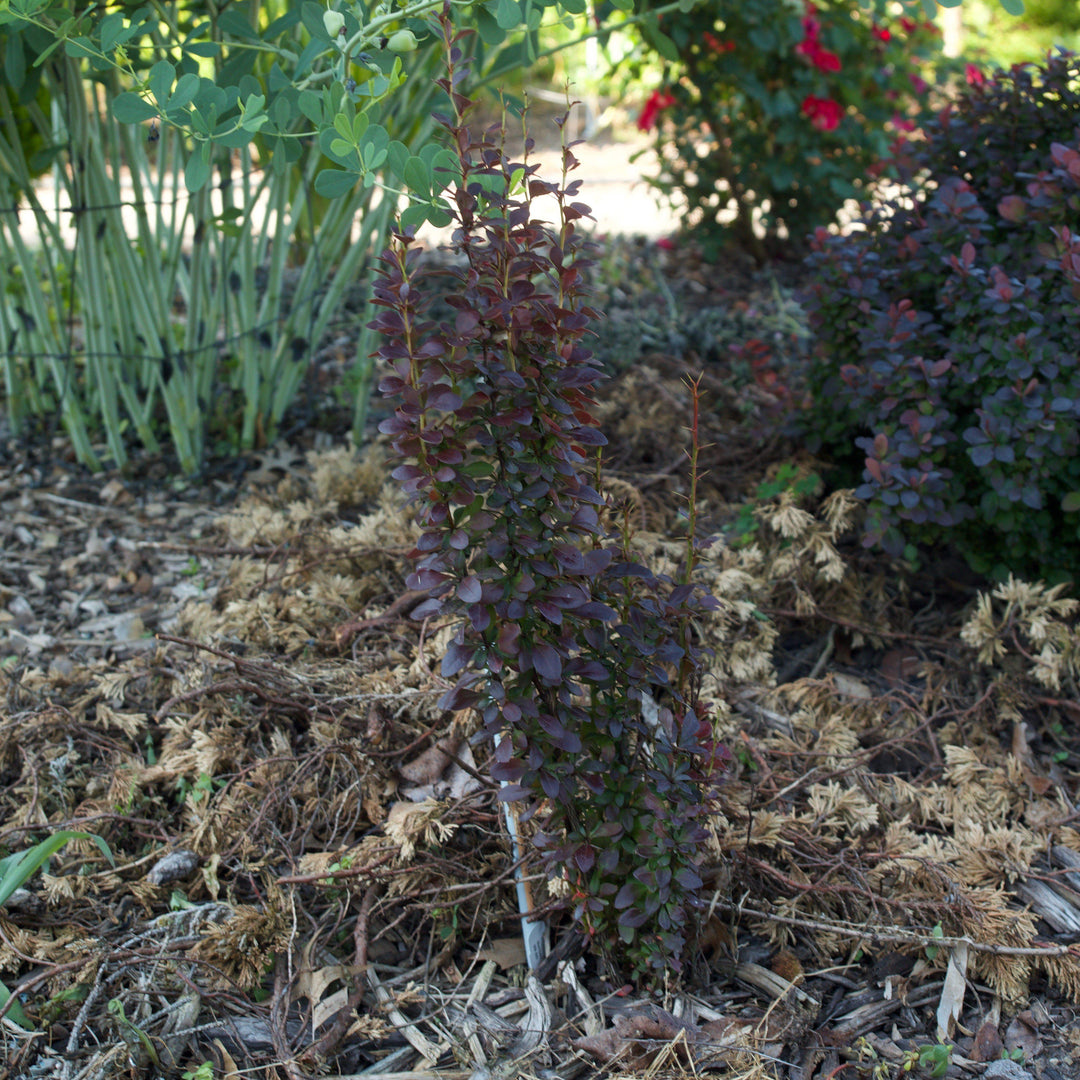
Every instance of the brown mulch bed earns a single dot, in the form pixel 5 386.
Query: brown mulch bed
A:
pixel 312 875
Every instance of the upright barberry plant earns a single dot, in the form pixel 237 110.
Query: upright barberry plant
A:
pixel 563 640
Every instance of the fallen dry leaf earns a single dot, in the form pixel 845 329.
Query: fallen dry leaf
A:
pixel 636 1037
pixel 432 763
pixel 1023 1034
pixel 899 666
pixel 507 952
pixel 988 1044
pixel 951 1004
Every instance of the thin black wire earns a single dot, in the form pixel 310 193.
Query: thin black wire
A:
pixel 179 197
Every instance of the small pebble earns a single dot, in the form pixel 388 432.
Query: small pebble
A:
pixel 173 867
pixel 1006 1070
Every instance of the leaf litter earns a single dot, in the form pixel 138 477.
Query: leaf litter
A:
pixel 313 875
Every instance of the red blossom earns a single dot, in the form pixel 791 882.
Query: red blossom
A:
pixel 909 26
pixel 811 46
pixel 821 58
pixel 824 113
pixel 903 123
pixel 974 75
pixel 918 83
pixel 882 33
pixel 665 243
pixel 824 60
pixel 716 45
pixel 659 100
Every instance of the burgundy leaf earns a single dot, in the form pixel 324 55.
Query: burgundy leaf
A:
pixel 455 659
pixel 446 400
pixel 549 611
pixel 426 608
pixel 595 610
pixel 597 561
pixel 512 792
pixel 425 579
pixel 546 663
pixel 570 558
pixel 458 697
pixel 469 591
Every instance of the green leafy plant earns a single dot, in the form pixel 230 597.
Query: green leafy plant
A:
pixel 211 114
pixel 15 870
pixel 564 642
pixel 946 368
pixel 199 791
pixel 933 950
pixel 770 115
pixel 935 1060
pixel 133 372
pixel 131 1031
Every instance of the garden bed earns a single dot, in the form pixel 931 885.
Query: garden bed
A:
pixel 311 873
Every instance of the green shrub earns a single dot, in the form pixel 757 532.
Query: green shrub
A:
pixel 772 114
pixel 947 365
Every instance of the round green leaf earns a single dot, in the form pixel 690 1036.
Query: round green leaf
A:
pixel 507 14
pixel 311 106
pixel 162 75
pixel 417 177
pixel 187 87
pixel 108 30
pixel 397 154
pixel 660 41
pixel 129 108
pixel 333 183
pixel 197 170
pixel 491 34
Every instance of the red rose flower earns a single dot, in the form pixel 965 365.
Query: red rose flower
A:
pixel 824 60
pixel 824 113
pixel 909 26
pixel 659 100
pixel 716 44
pixel 821 58
pixel 811 46
pixel 973 75
pixel 882 33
